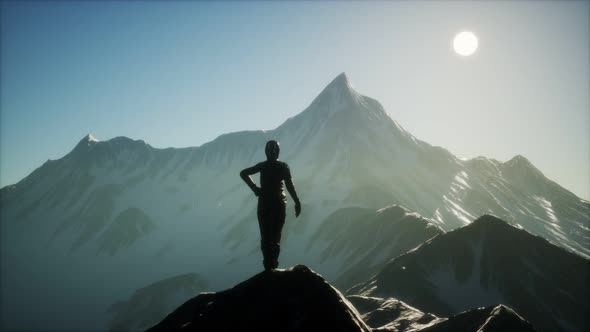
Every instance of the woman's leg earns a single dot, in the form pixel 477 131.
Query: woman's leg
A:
pixel 276 227
pixel 265 225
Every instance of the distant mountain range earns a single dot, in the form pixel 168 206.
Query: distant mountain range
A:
pixel 123 214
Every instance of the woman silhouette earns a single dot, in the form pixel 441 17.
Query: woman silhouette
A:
pixel 271 201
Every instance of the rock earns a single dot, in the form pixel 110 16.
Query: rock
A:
pixel 296 299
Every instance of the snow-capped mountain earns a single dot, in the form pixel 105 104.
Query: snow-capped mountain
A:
pixel 486 263
pixel 123 214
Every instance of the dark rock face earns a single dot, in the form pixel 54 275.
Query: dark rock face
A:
pixel 486 263
pixel 296 299
pixel 491 319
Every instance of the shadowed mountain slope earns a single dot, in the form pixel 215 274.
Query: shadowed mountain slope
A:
pixel 361 240
pixel 486 263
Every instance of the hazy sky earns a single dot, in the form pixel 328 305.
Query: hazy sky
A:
pixel 180 74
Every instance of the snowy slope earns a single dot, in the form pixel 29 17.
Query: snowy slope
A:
pixel 146 213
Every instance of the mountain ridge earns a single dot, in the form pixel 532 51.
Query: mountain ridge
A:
pixel 488 262
pixel 340 88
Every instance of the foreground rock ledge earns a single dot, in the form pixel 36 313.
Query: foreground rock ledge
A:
pixel 296 299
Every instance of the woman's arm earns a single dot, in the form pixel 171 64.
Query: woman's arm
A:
pixel 291 189
pixel 293 193
pixel 245 175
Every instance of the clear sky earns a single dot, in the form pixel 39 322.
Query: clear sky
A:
pixel 179 74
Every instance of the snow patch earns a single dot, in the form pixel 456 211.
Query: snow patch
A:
pixel 548 208
pixel 462 178
pixel 438 216
pixel 458 211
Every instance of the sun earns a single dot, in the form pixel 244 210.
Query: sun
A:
pixel 465 43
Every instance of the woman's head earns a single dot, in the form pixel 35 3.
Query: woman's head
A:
pixel 272 150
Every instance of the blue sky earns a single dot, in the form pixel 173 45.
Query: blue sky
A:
pixel 178 74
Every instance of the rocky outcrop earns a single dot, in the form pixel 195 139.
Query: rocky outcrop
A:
pixel 491 319
pixel 296 299
pixel 391 314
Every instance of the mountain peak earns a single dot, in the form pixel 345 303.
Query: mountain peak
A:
pixel 341 82
pixel 342 78
pixel 337 95
pixel 89 138
pixel 521 166
pixel 488 219
pixel 518 160
pixel 85 143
